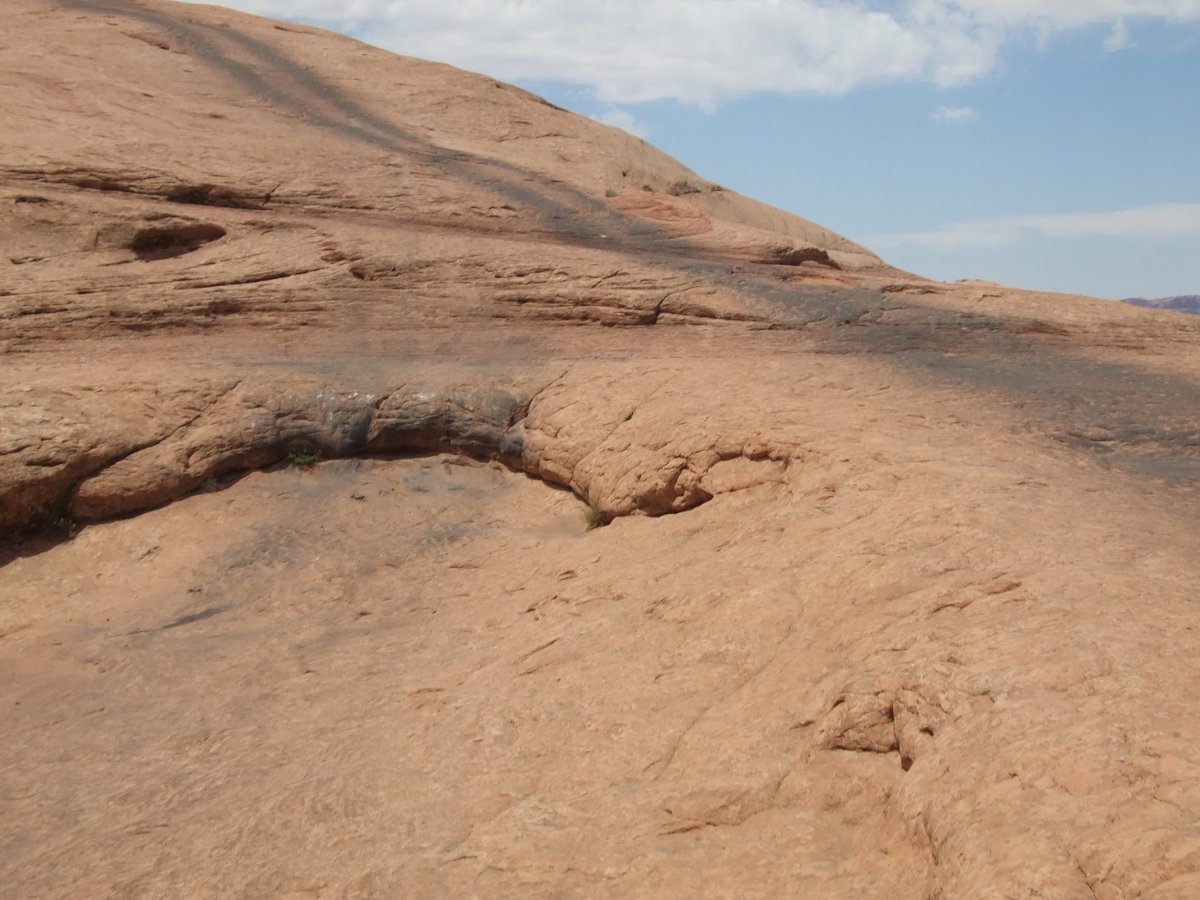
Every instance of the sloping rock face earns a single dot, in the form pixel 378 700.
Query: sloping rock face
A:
pixel 895 593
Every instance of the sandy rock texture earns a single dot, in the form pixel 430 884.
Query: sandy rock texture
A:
pixel 328 363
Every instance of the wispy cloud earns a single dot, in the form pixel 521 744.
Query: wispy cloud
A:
pixel 623 119
pixel 958 114
pixel 1118 38
pixel 706 51
pixel 1162 221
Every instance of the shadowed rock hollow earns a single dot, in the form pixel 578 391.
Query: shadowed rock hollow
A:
pixel 896 598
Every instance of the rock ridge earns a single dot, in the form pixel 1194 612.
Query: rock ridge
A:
pixel 241 428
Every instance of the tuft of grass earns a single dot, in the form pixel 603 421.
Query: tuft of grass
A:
pixel 593 518
pixel 65 525
pixel 303 457
pixel 610 193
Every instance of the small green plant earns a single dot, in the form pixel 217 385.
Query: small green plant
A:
pixel 593 518
pixel 610 193
pixel 53 521
pixel 65 525
pixel 303 457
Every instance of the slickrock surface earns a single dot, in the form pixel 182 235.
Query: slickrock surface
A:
pixel 896 595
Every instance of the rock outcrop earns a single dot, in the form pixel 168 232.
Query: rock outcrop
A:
pixel 895 588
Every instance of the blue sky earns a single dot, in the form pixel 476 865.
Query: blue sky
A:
pixel 1045 148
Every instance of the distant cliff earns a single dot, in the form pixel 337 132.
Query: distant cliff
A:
pixel 1187 304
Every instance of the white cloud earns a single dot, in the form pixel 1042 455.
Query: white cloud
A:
pixel 620 118
pixel 957 114
pixel 1118 38
pixel 1162 221
pixel 706 51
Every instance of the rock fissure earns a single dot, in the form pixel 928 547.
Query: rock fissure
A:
pixel 155 185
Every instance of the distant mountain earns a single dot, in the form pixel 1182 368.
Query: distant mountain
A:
pixel 1186 304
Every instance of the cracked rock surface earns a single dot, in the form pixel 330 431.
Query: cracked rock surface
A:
pixel 465 499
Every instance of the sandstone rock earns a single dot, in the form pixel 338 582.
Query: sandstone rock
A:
pixel 894 595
